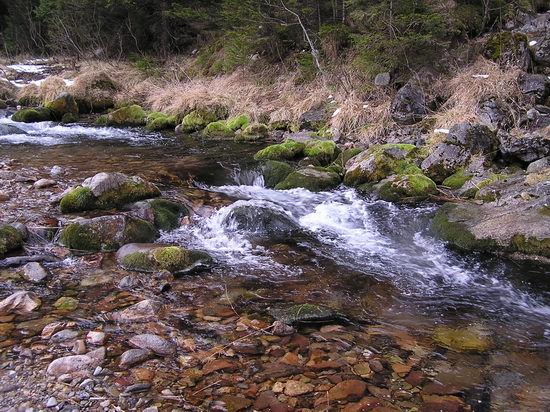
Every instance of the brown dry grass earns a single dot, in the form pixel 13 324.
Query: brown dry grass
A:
pixel 48 90
pixel 467 90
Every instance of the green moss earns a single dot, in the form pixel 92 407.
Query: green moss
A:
pixel 339 165
pixel 407 188
pixel 505 42
pixel 456 232
pixel 78 200
pixel 126 116
pixel 10 239
pixel 253 132
pixel 324 132
pixel 304 313
pixel 275 172
pixel 171 258
pixel 167 213
pixel 63 104
pixel 69 118
pixel 288 150
pixel 80 238
pixel 137 261
pixel 160 121
pixel 139 231
pixel 531 246
pixel 314 179
pixel 40 114
pixel 66 304
pixel 197 120
pixel 218 129
pixel 322 151
pixel 457 180
pixel 383 161
pixel 129 191
pixel 238 122
pixel 469 339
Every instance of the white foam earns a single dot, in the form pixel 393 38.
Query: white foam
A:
pixel 28 68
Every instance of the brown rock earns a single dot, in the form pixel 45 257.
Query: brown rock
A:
pixel 414 378
pixel 235 403
pixel 219 365
pixel 434 403
pixel 291 358
pixel 297 388
pixel 376 365
pixel 153 343
pixel 379 392
pixel 21 303
pixel 349 390
pixel 276 370
pixel 264 400
pixel 438 388
pixel 400 368
pixel 365 404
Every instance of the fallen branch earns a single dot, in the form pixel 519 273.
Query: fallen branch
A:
pixel 21 260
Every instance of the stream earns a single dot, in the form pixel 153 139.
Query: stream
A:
pixel 376 262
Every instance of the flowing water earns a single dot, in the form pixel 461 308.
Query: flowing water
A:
pixel 376 262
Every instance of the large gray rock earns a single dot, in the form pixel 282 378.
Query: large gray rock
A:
pixel 539 165
pixel 153 343
pixel 538 29
pixel 34 272
pixel 9 129
pixel 463 141
pixel 526 147
pixel 514 218
pixel 261 220
pixel 409 105
pixel 314 119
pixel 20 303
pixel 493 115
pixel 536 85
pixel 103 182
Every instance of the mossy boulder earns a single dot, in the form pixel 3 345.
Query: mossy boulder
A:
pixel 314 179
pixel 289 150
pixel 63 104
pixel 106 233
pixel 69 118
pixel 275 172
pixel 39 114
pixel 255 131
pixel 218 129
pixel 511 225
pixel 304 313
pixel 339 164
pixel 321 151
pixel 131 116
pixel 107 190
pixel 509 47
pixel 157 121
pixel 406 188
pixel 381 161
pixel 198 120
pixel 10 239
pixel 469 339
pixel 315 119
pixel 463 142
pixel 163 213
pixel 66 304
pixel 77 200
pixel 155 257
pixel 239 122
pixel 94 92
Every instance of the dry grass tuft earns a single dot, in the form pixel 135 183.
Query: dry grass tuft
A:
pixel 475 84
pixel 7 90
pixel 48 90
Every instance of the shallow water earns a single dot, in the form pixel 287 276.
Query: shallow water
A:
pixel 376 262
